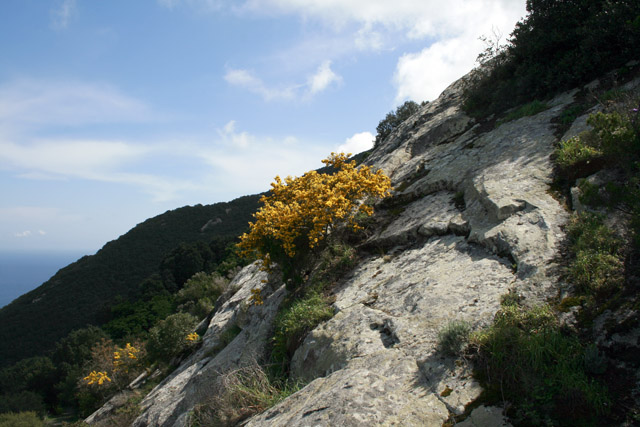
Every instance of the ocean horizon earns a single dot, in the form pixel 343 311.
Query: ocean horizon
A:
pixel 21 272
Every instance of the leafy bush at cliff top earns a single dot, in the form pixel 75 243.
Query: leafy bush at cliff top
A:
pixel 395 119
pixel 559 45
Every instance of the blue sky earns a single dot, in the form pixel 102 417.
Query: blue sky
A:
pixel 115 111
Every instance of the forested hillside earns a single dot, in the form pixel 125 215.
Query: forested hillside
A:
pixel 83 292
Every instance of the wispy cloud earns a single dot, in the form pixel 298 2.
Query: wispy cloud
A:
pixel 29 233
pixel 321 80
pixel 61 15
pixel 93 160
pixel 44 102
pixel 203 5
pixel 246 80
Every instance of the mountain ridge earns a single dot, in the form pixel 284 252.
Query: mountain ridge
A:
pixel 115 270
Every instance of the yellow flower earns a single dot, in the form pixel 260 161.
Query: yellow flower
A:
pixel 192 337
pixel 256 297
pixel 96 377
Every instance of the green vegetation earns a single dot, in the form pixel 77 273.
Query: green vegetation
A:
pixel 530 109
pixel 87 366
pixel 123 269
pixel 598 265
pixel 558 46
pixel 168 338
pixel 22 419
pixel 547 372
pixel 241 394
pixel 526 358
pixel 294 320
pixel 576 153
pixel 200 293
pixel 395 119
pixel 453 337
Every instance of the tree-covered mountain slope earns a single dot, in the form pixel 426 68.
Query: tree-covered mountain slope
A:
pixel 82 292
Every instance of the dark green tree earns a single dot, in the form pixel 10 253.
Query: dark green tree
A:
pixel 394 119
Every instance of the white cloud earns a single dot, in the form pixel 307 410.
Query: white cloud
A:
pixel 29 233
pixel 249 169
pixel 322 79
pixel 248 81
pixel 417 19
pixel 449 32
pixel 238 139
pixel 367 38
pixel 358 143
pixel 424 75
pixel 61 15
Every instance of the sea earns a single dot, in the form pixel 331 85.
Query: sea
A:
pixel 21 272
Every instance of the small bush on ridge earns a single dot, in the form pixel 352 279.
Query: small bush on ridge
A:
pixel 453 337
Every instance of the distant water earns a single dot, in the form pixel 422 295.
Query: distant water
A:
pixel 21 272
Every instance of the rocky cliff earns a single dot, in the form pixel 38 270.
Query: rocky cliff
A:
pixel 472 217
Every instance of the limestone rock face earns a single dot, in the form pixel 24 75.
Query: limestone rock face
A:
pixel 471 218
pixel 172 400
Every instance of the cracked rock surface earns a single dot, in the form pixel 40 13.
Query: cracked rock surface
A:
pixel 376 362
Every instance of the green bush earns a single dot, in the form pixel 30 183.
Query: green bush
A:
pixel 574 151
pixel 453 337
pixel 559 45
pixel 596 272
pixel 22 401
pixel 526 359
pixel 395 119
pixel 168 338
pixel 200 292
pixel 598 266
pixel 616 135
pixel 292 324
pixel 21 419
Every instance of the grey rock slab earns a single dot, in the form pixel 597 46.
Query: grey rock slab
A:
pixel 331 345
pixel 382 389
pixel 486 416
pixel 429 215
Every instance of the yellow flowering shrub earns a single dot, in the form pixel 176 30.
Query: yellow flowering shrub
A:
pixel 113 364
pixel 193 337
pixel 96 378
pixel 299 212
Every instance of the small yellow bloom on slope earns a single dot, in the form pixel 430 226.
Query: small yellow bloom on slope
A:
pixel 256 297
pixel 193 337
pixel 96 377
